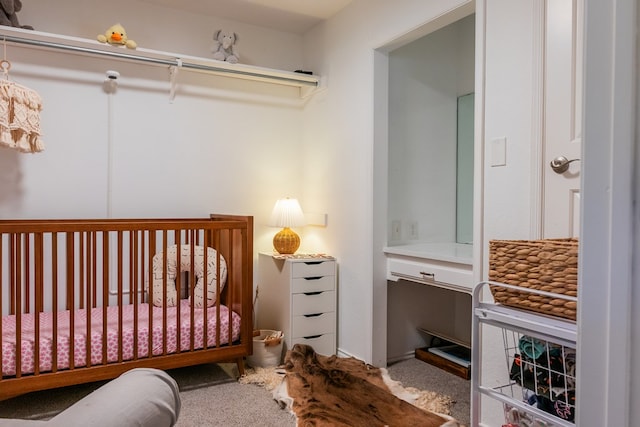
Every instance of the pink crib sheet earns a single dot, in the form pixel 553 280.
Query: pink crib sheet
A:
pixel 113 337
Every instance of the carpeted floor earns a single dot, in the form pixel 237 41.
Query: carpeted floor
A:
pixel 211 396
pixel 423 376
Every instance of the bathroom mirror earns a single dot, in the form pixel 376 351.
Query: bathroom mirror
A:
pixel 464 168
pixel 430 138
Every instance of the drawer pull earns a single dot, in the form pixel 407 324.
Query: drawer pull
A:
pixel 313 278
pixel 312 293
pixel 430 275
pixel 312 315
pixel 312 337
pixel 313 262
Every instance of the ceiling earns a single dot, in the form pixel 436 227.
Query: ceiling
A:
pixel 293 16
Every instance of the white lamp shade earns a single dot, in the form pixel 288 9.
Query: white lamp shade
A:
pixel 287 213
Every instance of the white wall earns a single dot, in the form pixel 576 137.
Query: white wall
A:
pixel 508 113
pixel 224 145
pixel 161 28
pixel 339 126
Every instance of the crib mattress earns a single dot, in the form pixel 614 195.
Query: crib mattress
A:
pixel 114 340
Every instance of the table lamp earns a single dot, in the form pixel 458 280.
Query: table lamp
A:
pixel 287 213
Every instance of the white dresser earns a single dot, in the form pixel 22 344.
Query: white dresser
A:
pixel 297 295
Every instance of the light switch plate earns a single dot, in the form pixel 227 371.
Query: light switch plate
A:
pixel 499 152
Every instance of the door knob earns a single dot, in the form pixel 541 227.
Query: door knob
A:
pixel 561 164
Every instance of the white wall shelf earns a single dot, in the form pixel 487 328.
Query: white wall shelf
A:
pixel 48 41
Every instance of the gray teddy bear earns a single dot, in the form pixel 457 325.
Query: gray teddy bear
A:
pixel 9 14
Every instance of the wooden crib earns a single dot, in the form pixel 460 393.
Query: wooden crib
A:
pixel 85 300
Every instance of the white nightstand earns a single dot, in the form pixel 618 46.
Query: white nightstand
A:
pixel 297 295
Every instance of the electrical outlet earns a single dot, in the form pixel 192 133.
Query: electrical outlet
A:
pixel 413 230
pixel 396 230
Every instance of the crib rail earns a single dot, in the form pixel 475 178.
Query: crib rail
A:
pixel 88 278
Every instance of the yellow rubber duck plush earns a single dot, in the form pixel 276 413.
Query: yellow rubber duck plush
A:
pixel 116 35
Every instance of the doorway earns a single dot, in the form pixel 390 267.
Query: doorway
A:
pixel 385 190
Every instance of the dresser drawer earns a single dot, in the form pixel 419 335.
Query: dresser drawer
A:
pixel 312 284
pixel 313 303
pixel 433 272
pixel 313 268
pixel 322 344
pixel 307 326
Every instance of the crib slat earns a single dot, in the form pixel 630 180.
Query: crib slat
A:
pixel 2 287
pixel 38 299
pixel 16 265
pixel 88 285
pixel 133 295
pixel 177 238
pixel 54 299
pixel 94 269
pixel 152 249
pixel 105 292
pixel 164 291
pixel 120 298
pixel 26 273
pixel 12 278
pixel 70 274
pixel 205 289
pixel 216 244
pixel 81 271
pixel 71 295
pixel 230 277
pixel 39 272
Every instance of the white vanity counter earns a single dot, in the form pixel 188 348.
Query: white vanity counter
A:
pixel 452 252
pixel 446 265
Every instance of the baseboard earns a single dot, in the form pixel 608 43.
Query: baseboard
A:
pixel 342 353
pixel 408 355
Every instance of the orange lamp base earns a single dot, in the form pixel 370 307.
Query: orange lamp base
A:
pixel 286 241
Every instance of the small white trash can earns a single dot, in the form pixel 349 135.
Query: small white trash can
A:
pixel 267 349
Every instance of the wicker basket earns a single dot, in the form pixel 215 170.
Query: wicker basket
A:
pixel 549 265
pixel 267 349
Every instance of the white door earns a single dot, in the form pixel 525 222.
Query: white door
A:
pixel 562 117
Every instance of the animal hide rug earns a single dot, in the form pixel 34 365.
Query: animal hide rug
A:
pixel 332 391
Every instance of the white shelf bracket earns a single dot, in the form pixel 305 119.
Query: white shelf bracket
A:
pixel 173 76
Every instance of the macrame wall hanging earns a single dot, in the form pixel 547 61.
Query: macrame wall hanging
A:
pixel 19 114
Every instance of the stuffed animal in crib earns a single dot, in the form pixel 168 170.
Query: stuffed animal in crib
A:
pixel 224 46
pixel 9 14
pixel 116 35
